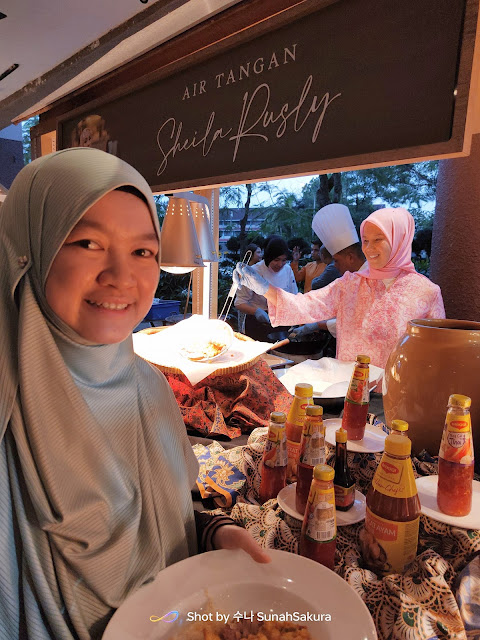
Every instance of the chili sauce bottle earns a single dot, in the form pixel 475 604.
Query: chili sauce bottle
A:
pixel 357 399
pixel 390 537
pixel 274 463
pixel 312 452
pixel 344 484
pixel 318 537
pixel 399 427
pixel 294 425
pixel 455 459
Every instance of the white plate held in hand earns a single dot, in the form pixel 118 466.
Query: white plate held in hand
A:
pixel 231 581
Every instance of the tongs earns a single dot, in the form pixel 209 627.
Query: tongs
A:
pixel 233 290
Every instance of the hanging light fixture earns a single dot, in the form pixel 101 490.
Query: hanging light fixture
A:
pixel 180 249
pixel 201 219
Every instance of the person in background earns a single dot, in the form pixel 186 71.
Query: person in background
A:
pixel 372 306
pixel 311 270
pixel 333 223
pixel 257 253
pixel 96 469
pixel 274 268
pixel 330 273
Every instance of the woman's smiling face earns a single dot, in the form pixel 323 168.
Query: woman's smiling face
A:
pixel 103 278
pixel 375 246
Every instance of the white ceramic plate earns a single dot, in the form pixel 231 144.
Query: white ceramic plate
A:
pixel 427 492
pixel 372 442
pixel 230 581
pixel 286 501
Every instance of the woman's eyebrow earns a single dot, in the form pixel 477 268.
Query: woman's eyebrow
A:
pixel 84 225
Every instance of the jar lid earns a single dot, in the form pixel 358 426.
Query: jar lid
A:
pixel 304 390
pixel 340 435
pixel 323 472
pixel 398 445
pixel 460 401
pixel 314 410
pixel 399 425
pixel 363 359
pixel 278 417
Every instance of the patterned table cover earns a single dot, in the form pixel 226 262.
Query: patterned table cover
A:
pixel 417 605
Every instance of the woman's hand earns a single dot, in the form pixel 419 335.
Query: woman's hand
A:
pixel 245 276
pixel 231 536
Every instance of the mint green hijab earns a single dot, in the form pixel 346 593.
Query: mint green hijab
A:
pixel 95 465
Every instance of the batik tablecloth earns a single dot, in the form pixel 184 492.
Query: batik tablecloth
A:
pixel 417 605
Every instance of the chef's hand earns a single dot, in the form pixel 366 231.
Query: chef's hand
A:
pixel 232 537
pixel 262 316
pixel 245 276
pixel 299 332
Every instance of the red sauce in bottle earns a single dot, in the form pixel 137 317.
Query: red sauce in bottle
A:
pixel 274 463
pixel 318 538
pixel 312 452
pixel 390 536
pixel 455 460
pixel 355 409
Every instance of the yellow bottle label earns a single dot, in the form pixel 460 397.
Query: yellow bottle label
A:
pixel 320 514
pixel 395 478
pixel 457 444
pixel 358 391
pixel 344 496
pixel 388 546
pixel 298 410
pixel 275 454
pixel 293 453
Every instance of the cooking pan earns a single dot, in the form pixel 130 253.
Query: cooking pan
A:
pixel 302 347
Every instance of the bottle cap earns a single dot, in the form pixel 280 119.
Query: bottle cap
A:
pixel 398 445
pixel 340 435
pixel 363 359
pixel 314 410
pixel 460 401
pixel 399 425
pixel 277 417
pixel 323 472
pixel 304 390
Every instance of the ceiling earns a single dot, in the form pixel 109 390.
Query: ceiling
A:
pixel 60 45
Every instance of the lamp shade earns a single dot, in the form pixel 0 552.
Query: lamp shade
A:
pixel 178 240
pixel 201 219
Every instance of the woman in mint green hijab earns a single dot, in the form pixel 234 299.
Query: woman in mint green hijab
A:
pixel 95 465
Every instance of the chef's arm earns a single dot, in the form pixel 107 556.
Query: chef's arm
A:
pixel 247 308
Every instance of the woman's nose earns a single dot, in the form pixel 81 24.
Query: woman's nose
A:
pixel 117 273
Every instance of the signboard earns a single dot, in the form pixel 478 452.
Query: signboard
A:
pixel 355 79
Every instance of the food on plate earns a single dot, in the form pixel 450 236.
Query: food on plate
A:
pixel 203 350
pixel 245 629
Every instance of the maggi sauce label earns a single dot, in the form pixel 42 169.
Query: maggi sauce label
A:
pixel 275 454
pixel 312 451
pixel 457 444
pixel 320 514
pixel 392 478
pixel 344 496
pixel 388 546
pixel 293 453
pixel 358 391
pixel 298 410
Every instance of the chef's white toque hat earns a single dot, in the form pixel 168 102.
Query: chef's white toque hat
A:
pixel 334 226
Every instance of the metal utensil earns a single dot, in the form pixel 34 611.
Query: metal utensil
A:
pixel 233 290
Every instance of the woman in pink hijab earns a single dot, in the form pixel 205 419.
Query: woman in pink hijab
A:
pixel 373 305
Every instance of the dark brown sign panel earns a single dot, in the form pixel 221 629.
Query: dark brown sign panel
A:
pixel 354 78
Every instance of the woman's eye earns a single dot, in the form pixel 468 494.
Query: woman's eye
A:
pixel 87 244
pixel 144 253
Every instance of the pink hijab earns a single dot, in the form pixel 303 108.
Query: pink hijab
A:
pixel 398 227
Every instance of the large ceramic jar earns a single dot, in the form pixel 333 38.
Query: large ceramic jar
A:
pixel 432 360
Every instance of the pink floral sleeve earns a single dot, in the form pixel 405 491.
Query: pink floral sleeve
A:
pixel 313 306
